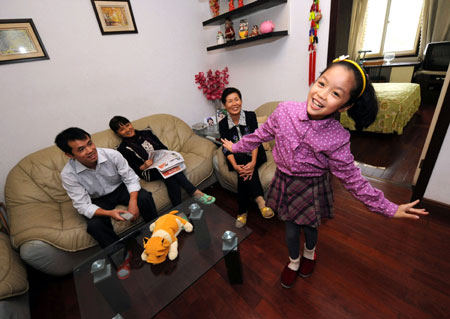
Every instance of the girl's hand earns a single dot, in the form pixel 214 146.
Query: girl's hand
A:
pixel 405 210
pixel 227 144
pixel 146 164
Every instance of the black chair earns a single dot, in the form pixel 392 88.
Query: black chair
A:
pixel 431 73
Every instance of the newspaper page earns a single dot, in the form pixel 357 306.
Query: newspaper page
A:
pixel 168 163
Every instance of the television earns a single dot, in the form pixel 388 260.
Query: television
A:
pixel 437 56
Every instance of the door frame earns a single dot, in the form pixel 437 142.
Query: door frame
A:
pixel 436 134
pixel 429 155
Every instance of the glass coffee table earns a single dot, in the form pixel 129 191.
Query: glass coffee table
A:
pixel 149 288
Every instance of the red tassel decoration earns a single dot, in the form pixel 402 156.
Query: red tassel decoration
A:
pixel 314 16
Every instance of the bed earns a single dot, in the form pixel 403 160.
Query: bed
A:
pixel 398 102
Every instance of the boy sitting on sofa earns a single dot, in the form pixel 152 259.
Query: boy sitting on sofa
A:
pixel 97 180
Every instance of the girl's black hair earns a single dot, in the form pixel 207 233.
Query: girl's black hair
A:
pixel 117 121
pixel 365 107
pixel 229 91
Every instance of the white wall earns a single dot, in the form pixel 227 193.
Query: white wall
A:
pixel 277 70
pixel 90 78
pixel 437 188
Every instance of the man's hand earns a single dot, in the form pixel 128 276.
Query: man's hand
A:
pixel 133 206
pixel 115 214
pixel 133 209
pixel 407 211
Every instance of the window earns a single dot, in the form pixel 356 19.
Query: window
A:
pixel 392 26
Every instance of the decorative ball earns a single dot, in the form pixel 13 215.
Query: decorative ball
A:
pixel 267 26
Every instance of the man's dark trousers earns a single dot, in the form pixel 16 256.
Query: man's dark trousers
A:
pixel 100 227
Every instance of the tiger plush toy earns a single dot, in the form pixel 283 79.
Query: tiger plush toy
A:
pixel 163 241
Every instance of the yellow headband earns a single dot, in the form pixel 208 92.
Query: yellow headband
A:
pixel 358 67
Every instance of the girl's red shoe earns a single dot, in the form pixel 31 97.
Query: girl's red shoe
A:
pixel 288 277
pixel 306 267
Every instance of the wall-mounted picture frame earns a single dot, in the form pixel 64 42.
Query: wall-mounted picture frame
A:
pixel 20 42
pixel 114 16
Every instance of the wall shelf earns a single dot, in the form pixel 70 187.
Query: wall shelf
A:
pixel 272 36
pixel 244 11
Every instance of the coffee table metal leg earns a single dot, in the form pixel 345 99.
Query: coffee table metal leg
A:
pixel 232 257
pixel 109 286
pixel 234 266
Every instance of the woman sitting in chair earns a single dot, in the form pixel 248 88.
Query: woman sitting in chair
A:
pixel 137 146
pixel 235 125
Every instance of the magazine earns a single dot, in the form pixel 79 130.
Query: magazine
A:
pixel 168 163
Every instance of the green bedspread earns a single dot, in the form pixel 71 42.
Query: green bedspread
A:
pixel 397 104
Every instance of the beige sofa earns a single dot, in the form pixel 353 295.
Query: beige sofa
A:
pixel 14 297
pixel 13 282
pixel 49 232
pixel 228 179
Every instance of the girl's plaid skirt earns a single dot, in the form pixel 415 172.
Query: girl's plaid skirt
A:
pixel 303 200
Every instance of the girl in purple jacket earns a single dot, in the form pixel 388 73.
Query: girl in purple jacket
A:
pixel 309 144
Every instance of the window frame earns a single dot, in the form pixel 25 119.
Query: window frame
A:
pixel 405 53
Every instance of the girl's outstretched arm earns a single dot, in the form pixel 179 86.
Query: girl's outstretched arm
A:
pixel 227 144
pixel 407 211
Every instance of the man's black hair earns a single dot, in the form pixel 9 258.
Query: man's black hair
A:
pixel 71 134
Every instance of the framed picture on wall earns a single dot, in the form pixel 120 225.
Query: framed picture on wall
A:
pixel 20 42
pixel 114 16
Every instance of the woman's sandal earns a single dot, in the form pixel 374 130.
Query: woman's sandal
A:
pixel 206 199
pixel 241 220
pixel 267 212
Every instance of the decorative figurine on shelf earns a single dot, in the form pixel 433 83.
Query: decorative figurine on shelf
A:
pixel 255 31
pixel 229 31
pixel 215 7
pixel 231 5
pixel 267 27
pixel 220 38
pixel 240 3
pixel 243 29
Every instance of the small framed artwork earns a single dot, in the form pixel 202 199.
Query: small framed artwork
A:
pixel 20 42
pixel 210 120
pixel 220 114
pixel 114 16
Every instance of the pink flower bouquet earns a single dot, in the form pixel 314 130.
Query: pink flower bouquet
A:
pixel 213 83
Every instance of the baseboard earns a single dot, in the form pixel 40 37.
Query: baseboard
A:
pixel 438 211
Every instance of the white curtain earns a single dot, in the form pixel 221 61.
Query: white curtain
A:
pixel 435 23
pixel 357 24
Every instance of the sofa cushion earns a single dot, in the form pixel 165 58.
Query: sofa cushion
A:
pixel 39 208
pixel 13 275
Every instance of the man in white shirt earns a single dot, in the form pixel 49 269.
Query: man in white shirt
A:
pixel 97 180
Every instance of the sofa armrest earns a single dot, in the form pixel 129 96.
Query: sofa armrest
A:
pixel 58 224
pixel 13 273
pixel 200 146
